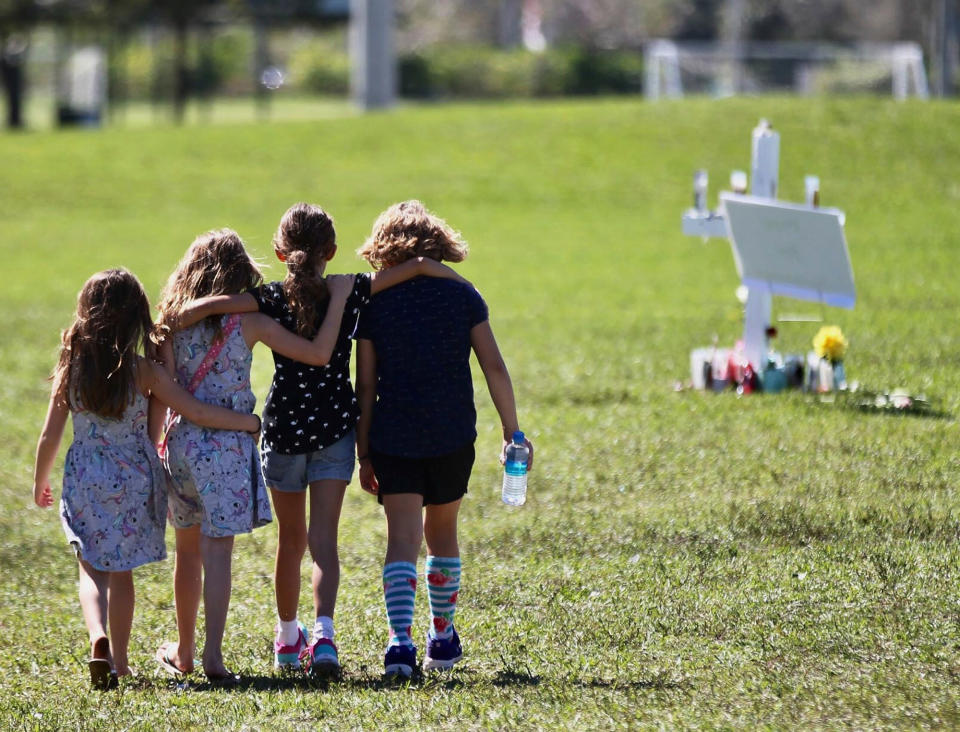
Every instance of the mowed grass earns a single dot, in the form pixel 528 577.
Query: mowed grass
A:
pixel 684 559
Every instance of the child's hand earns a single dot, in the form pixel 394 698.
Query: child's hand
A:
pixel 42 495
pixel 368 481
pixel 503 452
pixel 340 286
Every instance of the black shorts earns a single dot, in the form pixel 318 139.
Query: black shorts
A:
pixel 441 479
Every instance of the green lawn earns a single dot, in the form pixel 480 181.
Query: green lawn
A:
pixel 684 559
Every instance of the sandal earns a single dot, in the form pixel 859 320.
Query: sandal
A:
pixel 102 677
pixel 166 663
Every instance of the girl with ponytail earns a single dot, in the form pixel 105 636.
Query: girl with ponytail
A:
pixel 308 422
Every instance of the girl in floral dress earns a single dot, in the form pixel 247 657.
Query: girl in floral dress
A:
pixel 217 489
pixel 114 501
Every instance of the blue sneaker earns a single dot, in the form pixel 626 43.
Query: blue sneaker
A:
pixel 442 652
pixel 399 661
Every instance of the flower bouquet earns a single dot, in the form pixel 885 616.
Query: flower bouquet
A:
pixel 830 346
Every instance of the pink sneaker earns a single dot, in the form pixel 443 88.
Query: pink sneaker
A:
pixel 321 657
pixel 287 658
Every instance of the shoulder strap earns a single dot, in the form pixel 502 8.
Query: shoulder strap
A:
pixel 172 417
pixel 232 323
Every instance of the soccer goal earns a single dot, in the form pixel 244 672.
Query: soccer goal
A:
pixel 725 69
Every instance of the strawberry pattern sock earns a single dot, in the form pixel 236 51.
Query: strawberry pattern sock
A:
pixel 443 587
pixel 399 593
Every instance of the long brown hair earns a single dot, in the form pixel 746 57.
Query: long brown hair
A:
pixel 97 368
pixel 216 263
pixel 304 239
pixel 407 230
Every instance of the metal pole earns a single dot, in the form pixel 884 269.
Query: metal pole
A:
pixel 373 72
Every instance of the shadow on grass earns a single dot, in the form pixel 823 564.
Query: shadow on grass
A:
pixel 886 404
pixel 928 413
pixel 271 682
pixel 369 682
pixel 508 677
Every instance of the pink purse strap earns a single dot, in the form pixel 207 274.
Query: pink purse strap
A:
pixel 211 357
pixel 199 375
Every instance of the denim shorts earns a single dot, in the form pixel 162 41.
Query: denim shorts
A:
pixel 293 473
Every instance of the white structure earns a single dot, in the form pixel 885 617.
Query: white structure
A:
pixel 779 248
pixel 373 67
pixel 723 69
pixel 83 86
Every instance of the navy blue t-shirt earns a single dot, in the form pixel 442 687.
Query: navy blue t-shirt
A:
pixel 421 333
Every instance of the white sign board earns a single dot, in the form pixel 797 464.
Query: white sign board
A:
pixel 790 249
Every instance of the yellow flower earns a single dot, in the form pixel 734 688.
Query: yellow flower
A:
pixel 829 343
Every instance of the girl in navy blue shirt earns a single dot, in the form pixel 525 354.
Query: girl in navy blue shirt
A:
pixel 418 421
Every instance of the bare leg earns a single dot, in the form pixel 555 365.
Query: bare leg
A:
pixel 440 529
pixel 94 588
pixel 217 554
pixel 290 510
pixel 187 588
pixel 120 603
pixel 404 513
pixel 326 501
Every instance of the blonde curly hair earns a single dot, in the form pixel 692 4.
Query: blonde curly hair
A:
pixel 407 230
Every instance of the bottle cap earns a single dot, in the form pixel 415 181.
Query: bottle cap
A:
pixel 518 437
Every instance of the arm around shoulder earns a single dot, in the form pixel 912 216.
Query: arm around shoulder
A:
pixel 316 352
pixel 159 384
pixel 415 267
pixel 196 310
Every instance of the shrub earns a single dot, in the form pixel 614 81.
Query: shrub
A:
pixel 319 67
pixel 483 72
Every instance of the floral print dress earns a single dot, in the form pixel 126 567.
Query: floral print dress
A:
pixel 114 502
pixel 215 478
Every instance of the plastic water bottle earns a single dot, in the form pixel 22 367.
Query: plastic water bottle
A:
pixel 514 491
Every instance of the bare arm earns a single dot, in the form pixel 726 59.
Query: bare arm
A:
pixel 196 310
pixel 366 397
pixel 47 447
pixel 157 410
pixel 498 382
pixel 319 351
pixel 158 383
pixel 391 276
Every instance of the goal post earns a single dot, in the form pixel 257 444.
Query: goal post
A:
pixel 724 69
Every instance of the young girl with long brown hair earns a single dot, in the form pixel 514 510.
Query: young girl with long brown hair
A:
pixel 309 418
pixel 217 489
pixel 114 501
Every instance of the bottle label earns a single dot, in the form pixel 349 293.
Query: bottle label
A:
pixel 515 467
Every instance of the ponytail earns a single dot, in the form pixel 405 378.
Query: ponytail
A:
pixel 304 239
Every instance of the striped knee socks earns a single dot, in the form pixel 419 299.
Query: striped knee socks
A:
pixel 399 592
pixel 443 586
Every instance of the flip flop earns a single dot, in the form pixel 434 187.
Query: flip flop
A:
pixel 166 663
pixel 101 675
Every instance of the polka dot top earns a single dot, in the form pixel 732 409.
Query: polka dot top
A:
pixel 310 407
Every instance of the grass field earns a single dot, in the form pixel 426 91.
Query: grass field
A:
pixel 684 559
